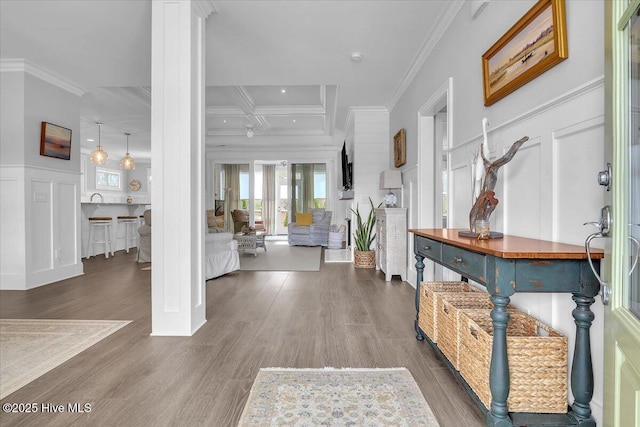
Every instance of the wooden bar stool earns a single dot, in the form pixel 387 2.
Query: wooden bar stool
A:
pixel 97 224
pixel 130 233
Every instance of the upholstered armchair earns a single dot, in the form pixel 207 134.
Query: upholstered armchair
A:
pixel 240 219
pixel 221 255
pixel 314 234
pixel 144 244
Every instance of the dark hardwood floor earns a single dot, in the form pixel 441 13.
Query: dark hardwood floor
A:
pixel 339 317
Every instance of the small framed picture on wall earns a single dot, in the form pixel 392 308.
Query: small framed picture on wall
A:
pixel 399 149
pixel 55 141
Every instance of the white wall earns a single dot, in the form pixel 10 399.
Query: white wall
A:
pixel 549 188
pixel 40 196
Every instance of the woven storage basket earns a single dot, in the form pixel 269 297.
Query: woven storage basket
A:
pixel 537 361
pixel 429 291
pixel 448 311
pixel 364 259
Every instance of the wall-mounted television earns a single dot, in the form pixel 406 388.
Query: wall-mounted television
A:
pixel 347 169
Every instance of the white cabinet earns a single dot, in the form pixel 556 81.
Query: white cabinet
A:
pixel 391 247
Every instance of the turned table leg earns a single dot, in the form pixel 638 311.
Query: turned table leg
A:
pixel 499 371
pixel 582 369
pixel 420 270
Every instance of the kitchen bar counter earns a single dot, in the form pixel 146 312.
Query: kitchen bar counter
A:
pixel 112 209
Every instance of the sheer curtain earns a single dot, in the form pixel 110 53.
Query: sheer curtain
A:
pixel 269 198
pixel 232 194
pixel 302 182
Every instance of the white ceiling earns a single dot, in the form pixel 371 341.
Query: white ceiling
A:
pixel 254 50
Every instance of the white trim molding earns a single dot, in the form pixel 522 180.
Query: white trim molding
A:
pixel 25 66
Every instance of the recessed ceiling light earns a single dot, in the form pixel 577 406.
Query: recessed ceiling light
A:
pixel 283 91
pixel 224 121
pixel 356 56
pixel 294 120
pixel 90 140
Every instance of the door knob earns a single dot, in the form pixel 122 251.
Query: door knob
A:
pixel 604 177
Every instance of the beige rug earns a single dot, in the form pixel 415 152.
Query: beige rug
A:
pixel 30 348
pixel 336 397
pixel 279 256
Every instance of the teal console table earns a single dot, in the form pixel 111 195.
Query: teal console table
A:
pixel 516 264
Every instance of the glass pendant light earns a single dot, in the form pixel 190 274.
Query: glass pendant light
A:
pixel 127 162
pixel 99 156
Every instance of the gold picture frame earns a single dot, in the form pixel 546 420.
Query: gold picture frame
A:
pixel 536 43
pixel 399 149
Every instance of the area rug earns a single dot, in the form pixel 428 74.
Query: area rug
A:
pixel 336 397
pixel 279 256
pixel 30 348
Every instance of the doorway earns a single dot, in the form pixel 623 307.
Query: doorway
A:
pixel 271 196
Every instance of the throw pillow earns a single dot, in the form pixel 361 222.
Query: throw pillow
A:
pixel 304 218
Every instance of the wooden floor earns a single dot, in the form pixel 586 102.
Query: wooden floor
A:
pixel 339 317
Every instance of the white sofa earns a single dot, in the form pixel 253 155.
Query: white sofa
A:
pixel 221 255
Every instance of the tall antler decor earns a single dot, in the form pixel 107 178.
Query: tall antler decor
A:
pixel 486 202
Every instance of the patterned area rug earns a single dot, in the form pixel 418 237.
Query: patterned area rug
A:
pixel 336 397
pixel 30 348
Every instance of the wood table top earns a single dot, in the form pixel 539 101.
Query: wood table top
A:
pixel 509 246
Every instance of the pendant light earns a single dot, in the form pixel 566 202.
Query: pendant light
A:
pixel 99 156
pixel 127 162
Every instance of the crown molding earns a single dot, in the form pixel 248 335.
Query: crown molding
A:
pixel 443 21
pixel 204 8
pixel 22 65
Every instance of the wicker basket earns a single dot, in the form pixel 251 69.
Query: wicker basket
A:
pixel 364 259
pixel 448 311
pixel 429 291
pixel 537 361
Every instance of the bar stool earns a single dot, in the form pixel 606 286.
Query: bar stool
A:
pixel 97 223
pixel 127 221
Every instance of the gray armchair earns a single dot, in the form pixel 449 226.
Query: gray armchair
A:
pixel 144 231
pixel 316 234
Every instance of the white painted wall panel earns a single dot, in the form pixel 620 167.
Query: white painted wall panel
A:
pixel 576 196
pixel 41 225
pixel 12 230
pixel 522 189
pixel 66 218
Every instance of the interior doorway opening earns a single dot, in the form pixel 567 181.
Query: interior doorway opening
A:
pixel 271 196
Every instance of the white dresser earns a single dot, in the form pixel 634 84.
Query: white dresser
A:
pixel 391 247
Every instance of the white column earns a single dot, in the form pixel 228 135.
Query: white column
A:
pixel 177 158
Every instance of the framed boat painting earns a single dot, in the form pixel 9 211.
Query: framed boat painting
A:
pixel 534 44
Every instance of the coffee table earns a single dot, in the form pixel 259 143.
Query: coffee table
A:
pixel 250 242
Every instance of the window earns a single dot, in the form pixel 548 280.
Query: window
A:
pixel 107 179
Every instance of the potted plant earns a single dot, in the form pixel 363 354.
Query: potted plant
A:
pixel 364 256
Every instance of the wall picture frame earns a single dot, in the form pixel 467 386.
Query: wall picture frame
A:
pixel 533 45
pixel 55 141
pixel 399 149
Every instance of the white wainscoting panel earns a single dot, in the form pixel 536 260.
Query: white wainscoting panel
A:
pixel 40 225
pixel 12 229
pixel 522 189
pixel 578 152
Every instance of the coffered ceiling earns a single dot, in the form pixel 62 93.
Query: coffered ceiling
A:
pixel 280 68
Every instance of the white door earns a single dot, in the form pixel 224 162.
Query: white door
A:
pixel 622 316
